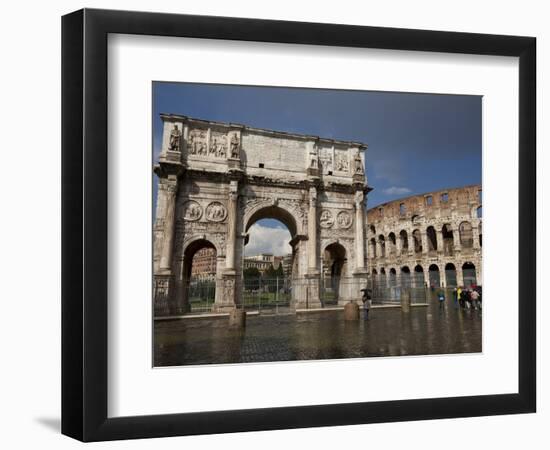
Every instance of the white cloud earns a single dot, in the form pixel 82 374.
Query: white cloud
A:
pixel 268 240
pixel 394 190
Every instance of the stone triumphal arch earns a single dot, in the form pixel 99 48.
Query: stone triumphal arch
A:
pixel 217 179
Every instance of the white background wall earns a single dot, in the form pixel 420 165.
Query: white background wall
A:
pixel 30 232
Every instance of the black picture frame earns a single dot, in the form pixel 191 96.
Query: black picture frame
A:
pixel 84 224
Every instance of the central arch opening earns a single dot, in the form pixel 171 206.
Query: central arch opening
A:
pixel 269 258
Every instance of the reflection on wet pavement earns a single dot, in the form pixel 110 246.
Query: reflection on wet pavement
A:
pixel 318 335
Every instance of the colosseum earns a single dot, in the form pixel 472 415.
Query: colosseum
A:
pixel 427 240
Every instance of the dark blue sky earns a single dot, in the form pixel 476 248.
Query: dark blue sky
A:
pixel 416 142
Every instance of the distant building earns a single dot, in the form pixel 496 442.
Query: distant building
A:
pixel 432 239
pixel 204 264
pixel 261 262
pixel 287 265
pixel 277 261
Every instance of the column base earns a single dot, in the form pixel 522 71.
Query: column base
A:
pixel 227 299
pixel 306 294
pixel 351 311
pixel 163 287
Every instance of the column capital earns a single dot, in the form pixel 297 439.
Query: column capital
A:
pixel 233 189
pixel 359 198
pixel 312 195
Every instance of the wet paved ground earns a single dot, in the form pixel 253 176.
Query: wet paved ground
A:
pixel 319 335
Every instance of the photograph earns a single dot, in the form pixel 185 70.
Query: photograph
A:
pixel 297 224
pixel 260 225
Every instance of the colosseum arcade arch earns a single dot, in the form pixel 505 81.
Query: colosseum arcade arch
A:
pixel 434 276
pixel 216 179
pixel 450 275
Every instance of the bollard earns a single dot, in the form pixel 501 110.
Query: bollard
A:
pixel 237 318
pixel 405 301
pixel 351 311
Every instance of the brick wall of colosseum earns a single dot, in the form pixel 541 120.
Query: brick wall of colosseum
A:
pixel 432 239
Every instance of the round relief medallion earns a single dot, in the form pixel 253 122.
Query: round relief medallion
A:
pixel 192 210
pixel 326 220
pixel 216 212
pixel 343 219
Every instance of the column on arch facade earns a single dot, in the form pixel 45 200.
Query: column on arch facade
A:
pixel 168 189
pixel 164 286
pixel 232 213
pixel 229 282
pixel 312 232
pixel 360 231
pixel 307 290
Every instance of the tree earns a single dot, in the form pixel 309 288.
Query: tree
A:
pixel 251 277
pixel 270 273
pixel 251 272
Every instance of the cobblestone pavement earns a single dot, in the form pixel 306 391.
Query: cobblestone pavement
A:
pixel 318 335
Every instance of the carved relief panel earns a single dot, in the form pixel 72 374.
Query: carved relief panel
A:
pixel 197 143
pixel 325 159
pixel 344 219
pixel 218 145
pixel 341 160
pixel 213 144
pixel 341 220
pixel 191 210
pixel 326 219
pixel 216 212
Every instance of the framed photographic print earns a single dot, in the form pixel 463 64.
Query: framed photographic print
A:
pixel 274 224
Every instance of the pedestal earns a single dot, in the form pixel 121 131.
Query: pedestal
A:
pixel 306 293
pixel 351 311
pixel 237 318
pixel 226 295
pixel 163 295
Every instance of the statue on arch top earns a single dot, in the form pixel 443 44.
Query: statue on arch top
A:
pixel 175 139
pixel 234 145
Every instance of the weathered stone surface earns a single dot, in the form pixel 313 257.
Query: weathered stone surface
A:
pixel 217 179
pixel 237 318
pixel 351 311
pixel 433 236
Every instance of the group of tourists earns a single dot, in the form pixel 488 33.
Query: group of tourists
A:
pixel 468 298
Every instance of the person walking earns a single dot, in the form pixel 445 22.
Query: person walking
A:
pixel 468 299
pixel 475 299
pixel 441 298
pixel 455 297
pixel 367 302
pixel 463 298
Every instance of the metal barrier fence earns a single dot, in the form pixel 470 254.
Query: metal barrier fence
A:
pixel 284 295
pixel 392 295
pixel 431 279
pixel 201 295
pixel 266 295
